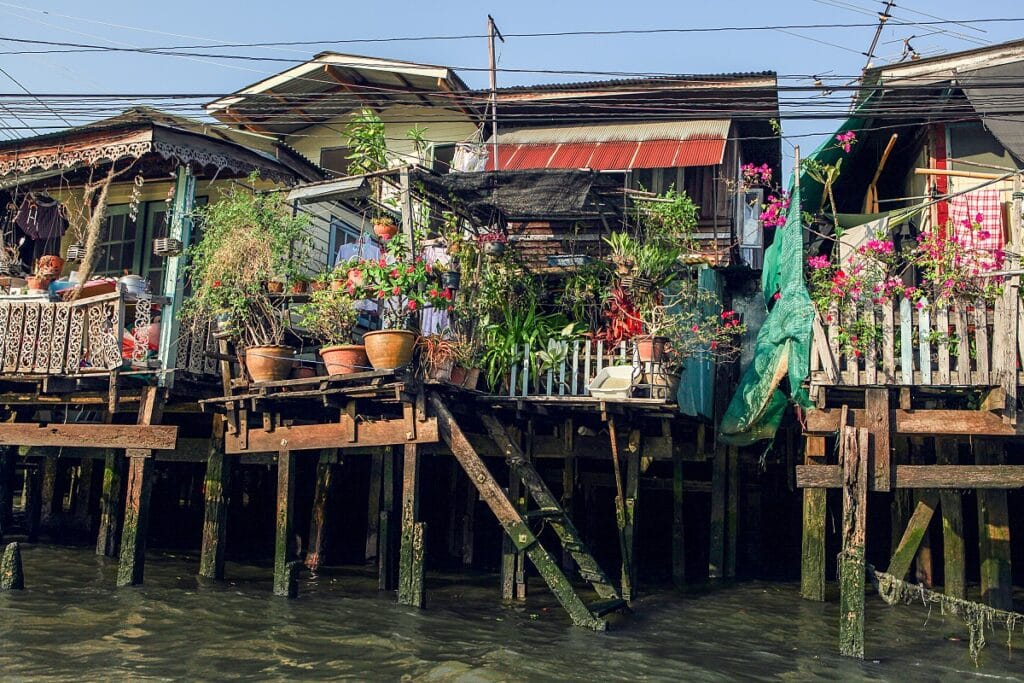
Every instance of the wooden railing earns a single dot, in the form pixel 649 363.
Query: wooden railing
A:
pixel 573 374
pixel 913 344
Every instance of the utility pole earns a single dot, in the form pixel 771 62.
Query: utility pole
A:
pixel 882 18
pixel 492 31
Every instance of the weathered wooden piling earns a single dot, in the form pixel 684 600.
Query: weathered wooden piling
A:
pixel 319 519
pixel 131 566
pixel 678 515
pixel 12 576
pixel 386 580
pixel 373 505
pixel 716 550
pixel 283 527
pixel 33 499
pixel 412 553
pixel 7 462
pixel 629 564
pixel 954 568
pixel 994 532
pixel 216 485
pixel 81 514
pixel 49 497
pixel 110 504
pixel 812 567
pixel 852 567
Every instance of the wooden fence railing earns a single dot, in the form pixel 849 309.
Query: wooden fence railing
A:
pixel 573 374
pixel 909 344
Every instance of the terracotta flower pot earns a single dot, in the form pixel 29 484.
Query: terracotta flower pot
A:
pixel 300 287
pixel 317 286
pixel 651 349
pixel 275 287
pixel 37 282
pixel 303 372
pixel 385 229
pixel 338 285
pixel 389 349
pixel 269 363
pixel 345 359
pixel 442 372
pixel 50 266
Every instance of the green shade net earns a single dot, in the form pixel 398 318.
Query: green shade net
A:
pixel 783 345
pixel 696 393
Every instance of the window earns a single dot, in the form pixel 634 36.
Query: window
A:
pixel 341 234
pixel 444 156
pixel 335 159
pixel 118 242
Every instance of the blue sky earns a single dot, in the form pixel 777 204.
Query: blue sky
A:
pixel 795 56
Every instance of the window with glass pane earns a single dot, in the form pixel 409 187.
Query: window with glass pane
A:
pixel 117 247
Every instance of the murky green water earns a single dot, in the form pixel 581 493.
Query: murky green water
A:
pixel 72 624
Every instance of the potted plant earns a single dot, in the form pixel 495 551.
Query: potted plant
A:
pixel 300 284
pixel 330 316
pixel 249 238
pixel 437 356
pixel 400 283
pixel 493 243
pixel 622 247
pixel 368 153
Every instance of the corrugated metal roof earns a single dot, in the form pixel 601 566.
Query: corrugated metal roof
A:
pixel 620 132
pixel 681 80
pixel 611 156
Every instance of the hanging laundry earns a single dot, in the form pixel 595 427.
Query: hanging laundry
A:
pixel 977 219
pixel 42 218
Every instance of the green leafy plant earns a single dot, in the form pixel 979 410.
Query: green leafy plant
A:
pixel 329 316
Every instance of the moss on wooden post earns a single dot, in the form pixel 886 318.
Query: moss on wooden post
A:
pixel 854 454
pixel 954 571
pixel 994 533
pixel 411 557
pixel 7 459
pixel 33 499
pixel 385 547
pixel 812 565
pixel 373 506
pixel 283 527
pixel 110 503
pixel 131 567
pixel 12 577
pixel 215 505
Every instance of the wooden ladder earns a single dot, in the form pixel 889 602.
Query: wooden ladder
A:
pixel 516 523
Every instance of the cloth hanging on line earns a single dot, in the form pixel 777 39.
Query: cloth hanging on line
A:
pixel 977 218
pixel 42 218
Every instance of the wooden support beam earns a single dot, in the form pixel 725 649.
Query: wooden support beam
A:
pixel 385 547
pixel 33 500
pixel 411 555
pixel 852 567
pixel 7 460
pixel 319 521
pixel 393 432
pixel 994 533
pixel 373 506
pixel 216 485
pixel 632 491
pixel 81 513
pixel 147 437
pixel 131 567
pixel 910 542
pixel 351 88
pixel 876 415
pixel 678 528
pixel 923 476
pixel 110 503
pixel 921 422
pixel 284 518
pixel 955 581
pixel 812 566
pixel 568 478
pixel 469 527
pixel 719 478
pixel 732 510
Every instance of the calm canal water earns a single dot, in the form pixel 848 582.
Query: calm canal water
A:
pixel 71 624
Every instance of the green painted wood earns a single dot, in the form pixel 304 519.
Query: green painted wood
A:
pixel 180 228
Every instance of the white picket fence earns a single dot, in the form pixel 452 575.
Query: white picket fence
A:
pixel 574 374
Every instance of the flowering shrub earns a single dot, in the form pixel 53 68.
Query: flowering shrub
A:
pixel 846 140
pixel 404 286
pixel 756 176
pixel 496 236
pixel 953 266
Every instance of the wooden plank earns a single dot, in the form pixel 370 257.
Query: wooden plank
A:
pixel 319 519
pixel 833 337
pixel 924 476
pixel 901 560
pixel 888 343
pixel 854 455
pixel 994 532
pixel 155 437
pixel 906 342
pixel 586 369
pixel 955 582
pixel 944 377
pixel 924 330
pixel 871 355
pixel 852 374
pixel 575 368
pixel 963 348
pixel 981 375
pixel 526 370
pixel 876 419
pixel 924 422
pixel 812 566
pixel 215 505
pixel 391 432
pixel 823 352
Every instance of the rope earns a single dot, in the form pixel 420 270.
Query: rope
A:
pixel 975 616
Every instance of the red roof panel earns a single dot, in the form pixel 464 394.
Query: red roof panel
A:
pixel 612 156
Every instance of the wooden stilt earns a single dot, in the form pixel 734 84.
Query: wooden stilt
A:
pixel 82 513
pixel 568 480
pixel 812 567
pixel 385 547
pixel 509 554
pixel 411 563
pixel 923 560
pixel 716 552
pixel 318 523
pixel 910 542
pixel 955 582
pixel 110 504
pixel 8 457
pixel 373 506
pixel 629 562
pixel 678 534
pixel 732 513
pixel 12 576
pixel 131 567
pixel 994 533
pixel 33 499
pixel 283 531
pixel 454 518
pixel 854 454
pixel 469 526
pixel 49 490
pixel 215 512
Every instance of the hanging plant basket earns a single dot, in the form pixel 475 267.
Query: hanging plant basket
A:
pixel 494 249
pixel 451 279
pixel 166 246
pixel 76 252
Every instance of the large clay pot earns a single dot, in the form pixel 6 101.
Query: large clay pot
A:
pixel 345 359
pixel 389 349
pixel 49 266
pixel 269 363
pixel 651 349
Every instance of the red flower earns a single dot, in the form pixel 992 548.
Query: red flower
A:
pixel 394 272
pixel 451 308
pixel 433 292
pixel 714 345
pixel 427 266
pixel 383 263
pixel 695 328
pixel 216 283
pixel 777 296
pixel 410 270
pixel 447 293
pixel 396 290
pixel 412 305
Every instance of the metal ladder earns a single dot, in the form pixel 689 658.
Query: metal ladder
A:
pixel 516 524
